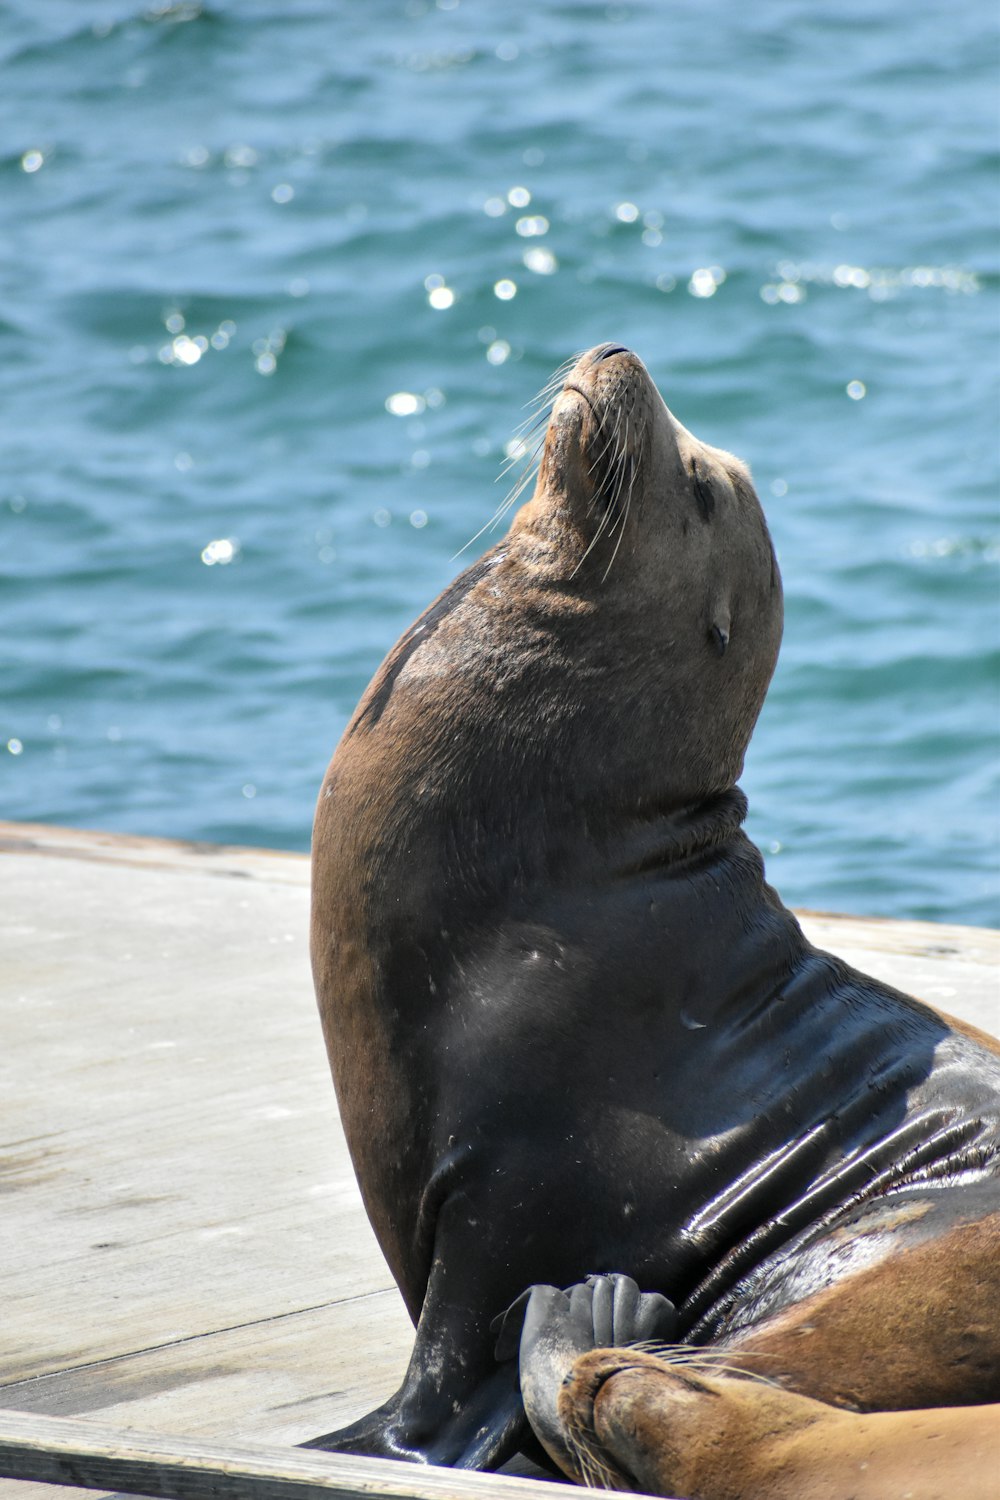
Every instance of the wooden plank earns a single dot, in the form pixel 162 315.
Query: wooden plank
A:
pixel 282 1380
pixel 92 846
pixel 95 1456
pixel 171 1148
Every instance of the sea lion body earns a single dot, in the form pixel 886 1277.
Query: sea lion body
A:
pixel 571 1027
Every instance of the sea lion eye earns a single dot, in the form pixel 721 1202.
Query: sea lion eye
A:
pixel 704 495
pixel 719 638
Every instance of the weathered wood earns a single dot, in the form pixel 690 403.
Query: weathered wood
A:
pixel 279 1380
pixel 171 1146
pixel 95 1456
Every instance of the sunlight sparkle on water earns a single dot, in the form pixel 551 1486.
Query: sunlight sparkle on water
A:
pixel 783 291
pixel 439 295
pixel 266 351
pixel 405 404
pixel 540 260
pixel 518 197
pixel 706 281
pixel 880 283
pixel 188 351
pixel 32 161
pixel 505 289
pixel 223 550
pixel 240 156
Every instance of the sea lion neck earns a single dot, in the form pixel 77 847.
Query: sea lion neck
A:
pixel 658 839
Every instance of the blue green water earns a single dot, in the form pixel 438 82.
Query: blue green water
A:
pixel 232 232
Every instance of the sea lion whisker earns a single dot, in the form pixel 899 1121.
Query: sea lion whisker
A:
pixel 621 463
pixel 700 1357
pixel 596 1473
pixel 601 490
pixel 618 543
pixel 552 388
pixel 509 499
pixel 520 446
pixel 513 494
pixel 601 528
pixel 713 1367
pixel 535 418
pixel 603 467
pixel 541 403
pixel 610 438
pixel 626 463
pixel 705 1351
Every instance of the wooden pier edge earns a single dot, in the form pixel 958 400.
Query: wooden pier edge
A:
pixel 94 1455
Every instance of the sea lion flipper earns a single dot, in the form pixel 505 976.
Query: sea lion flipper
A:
pixel 559 1326
pixel 425 1423
pixel 623 1315
pixel 509 1325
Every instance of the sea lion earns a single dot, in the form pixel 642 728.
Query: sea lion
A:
pixel 571 1027
pixel 641 1422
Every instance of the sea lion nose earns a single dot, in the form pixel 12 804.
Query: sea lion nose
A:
pixel 605 351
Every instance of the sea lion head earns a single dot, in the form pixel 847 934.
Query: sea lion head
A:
pixel 665 537
pixel 605 662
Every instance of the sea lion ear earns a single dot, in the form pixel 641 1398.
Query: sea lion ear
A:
pixel 718 630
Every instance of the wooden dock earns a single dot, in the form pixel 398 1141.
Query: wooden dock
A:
pixel 184 1248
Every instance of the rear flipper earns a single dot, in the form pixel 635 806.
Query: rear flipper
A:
pixel 555 1328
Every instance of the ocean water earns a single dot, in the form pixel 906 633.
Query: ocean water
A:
pixel 279 276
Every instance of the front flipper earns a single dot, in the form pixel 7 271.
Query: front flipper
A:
pixel 457 1406
pixel 423 1423
pixel 602 1312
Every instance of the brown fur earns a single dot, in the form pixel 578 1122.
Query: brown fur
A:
pixel 638 1423
pixel 920 1328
